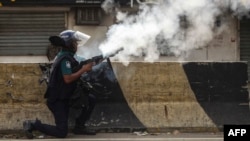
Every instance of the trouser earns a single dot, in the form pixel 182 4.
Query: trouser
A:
pixel 60 111
pixel 86 111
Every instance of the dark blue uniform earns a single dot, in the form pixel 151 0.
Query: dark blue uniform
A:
pixel 58 94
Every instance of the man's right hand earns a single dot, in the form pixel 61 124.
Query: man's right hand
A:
pixel 87 67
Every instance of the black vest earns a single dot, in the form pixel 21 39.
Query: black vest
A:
pixel 57 88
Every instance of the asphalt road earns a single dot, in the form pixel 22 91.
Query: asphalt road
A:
pixel 133 137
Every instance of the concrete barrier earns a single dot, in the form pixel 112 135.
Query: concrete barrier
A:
pixel 160 96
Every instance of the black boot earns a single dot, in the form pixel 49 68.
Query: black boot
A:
pixel 83 130
pixel 28 127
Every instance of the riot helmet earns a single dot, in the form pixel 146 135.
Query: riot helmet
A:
pixel 67 37
pixel 70 36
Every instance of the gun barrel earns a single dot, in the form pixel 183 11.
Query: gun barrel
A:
pixel 113 53
pixel 97 59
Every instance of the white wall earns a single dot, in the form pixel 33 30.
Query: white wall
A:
pixel 223 47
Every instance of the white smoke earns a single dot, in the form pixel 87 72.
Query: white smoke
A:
pixel 168 27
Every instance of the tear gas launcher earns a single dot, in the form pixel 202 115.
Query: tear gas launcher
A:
pixel 96 59
pixel 58 41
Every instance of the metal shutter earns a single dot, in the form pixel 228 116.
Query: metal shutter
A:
pixel 28 33
pixel 245 42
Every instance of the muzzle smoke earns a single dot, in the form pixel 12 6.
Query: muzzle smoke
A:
pixel 169 27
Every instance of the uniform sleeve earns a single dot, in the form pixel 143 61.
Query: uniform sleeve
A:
pixel 66 67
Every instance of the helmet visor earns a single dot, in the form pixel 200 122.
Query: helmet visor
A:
pixel 81 38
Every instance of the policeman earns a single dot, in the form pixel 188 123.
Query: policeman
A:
pixel 62 83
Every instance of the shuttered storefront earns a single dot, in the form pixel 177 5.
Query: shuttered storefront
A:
pixel 245 42
pixel 28 33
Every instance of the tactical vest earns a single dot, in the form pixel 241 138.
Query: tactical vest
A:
pixel 57 88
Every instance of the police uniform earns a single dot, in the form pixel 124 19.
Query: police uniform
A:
pixel 58 94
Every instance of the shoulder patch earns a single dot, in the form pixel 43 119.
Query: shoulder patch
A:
pixel 68 65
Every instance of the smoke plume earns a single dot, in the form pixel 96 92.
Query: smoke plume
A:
pixel 170 27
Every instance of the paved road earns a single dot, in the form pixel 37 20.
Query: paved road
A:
pixel 134 137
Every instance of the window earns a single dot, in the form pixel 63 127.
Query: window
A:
pixel 88 15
